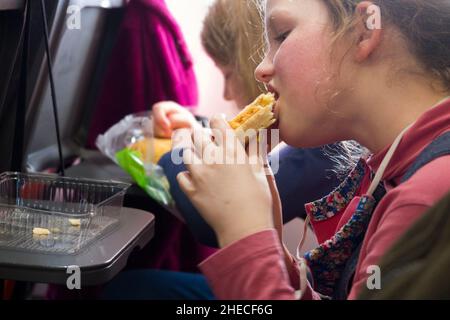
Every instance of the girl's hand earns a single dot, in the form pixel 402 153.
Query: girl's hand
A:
pixel 169 116
pixel 234 198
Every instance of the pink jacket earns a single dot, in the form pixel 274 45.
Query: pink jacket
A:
pixel 253 267
pixel 150 62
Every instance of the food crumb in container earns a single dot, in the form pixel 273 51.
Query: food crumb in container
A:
pixel 75 222
pixel 41 231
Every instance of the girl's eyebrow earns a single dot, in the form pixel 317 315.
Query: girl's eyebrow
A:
pixel 273 15
pixel 270 17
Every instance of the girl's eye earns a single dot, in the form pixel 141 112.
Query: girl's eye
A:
pixel 282 36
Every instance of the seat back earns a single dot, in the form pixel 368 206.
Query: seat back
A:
pixel 81 36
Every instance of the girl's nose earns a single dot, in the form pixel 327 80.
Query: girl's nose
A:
pixel 264 71
pixel 227 92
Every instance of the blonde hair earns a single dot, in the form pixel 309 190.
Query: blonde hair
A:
pixel 233 36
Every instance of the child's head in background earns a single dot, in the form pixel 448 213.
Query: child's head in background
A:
pixel 232 36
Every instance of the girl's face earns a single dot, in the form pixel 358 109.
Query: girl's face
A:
pixel 297 67
pixel 232 86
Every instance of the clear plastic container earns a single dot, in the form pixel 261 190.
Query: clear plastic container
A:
pixel 53 214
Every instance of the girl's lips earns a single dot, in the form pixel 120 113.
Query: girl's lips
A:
pixel 276 105
pixel 271 89
pixel 276 112
pixel 275 109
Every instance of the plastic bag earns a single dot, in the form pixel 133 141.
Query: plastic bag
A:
pixel 118 144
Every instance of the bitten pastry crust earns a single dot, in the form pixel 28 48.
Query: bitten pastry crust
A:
pixel 257 115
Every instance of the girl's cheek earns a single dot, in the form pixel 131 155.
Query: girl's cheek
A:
pixel 304 61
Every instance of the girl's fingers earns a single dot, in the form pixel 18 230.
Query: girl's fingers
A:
pixel 205 146
pixel 186 183
pixel 192 162
pixel 168 113
pixel 181 120
pixel 222 129
pixel 219 122
pixel 202 139
pixel 159 112
pixel 219 127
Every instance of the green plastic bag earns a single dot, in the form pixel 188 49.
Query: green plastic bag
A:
pixel 149 177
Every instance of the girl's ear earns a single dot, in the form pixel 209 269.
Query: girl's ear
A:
pixel 368 30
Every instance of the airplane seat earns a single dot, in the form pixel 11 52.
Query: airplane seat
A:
pixel 80 54
pixel 11 23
